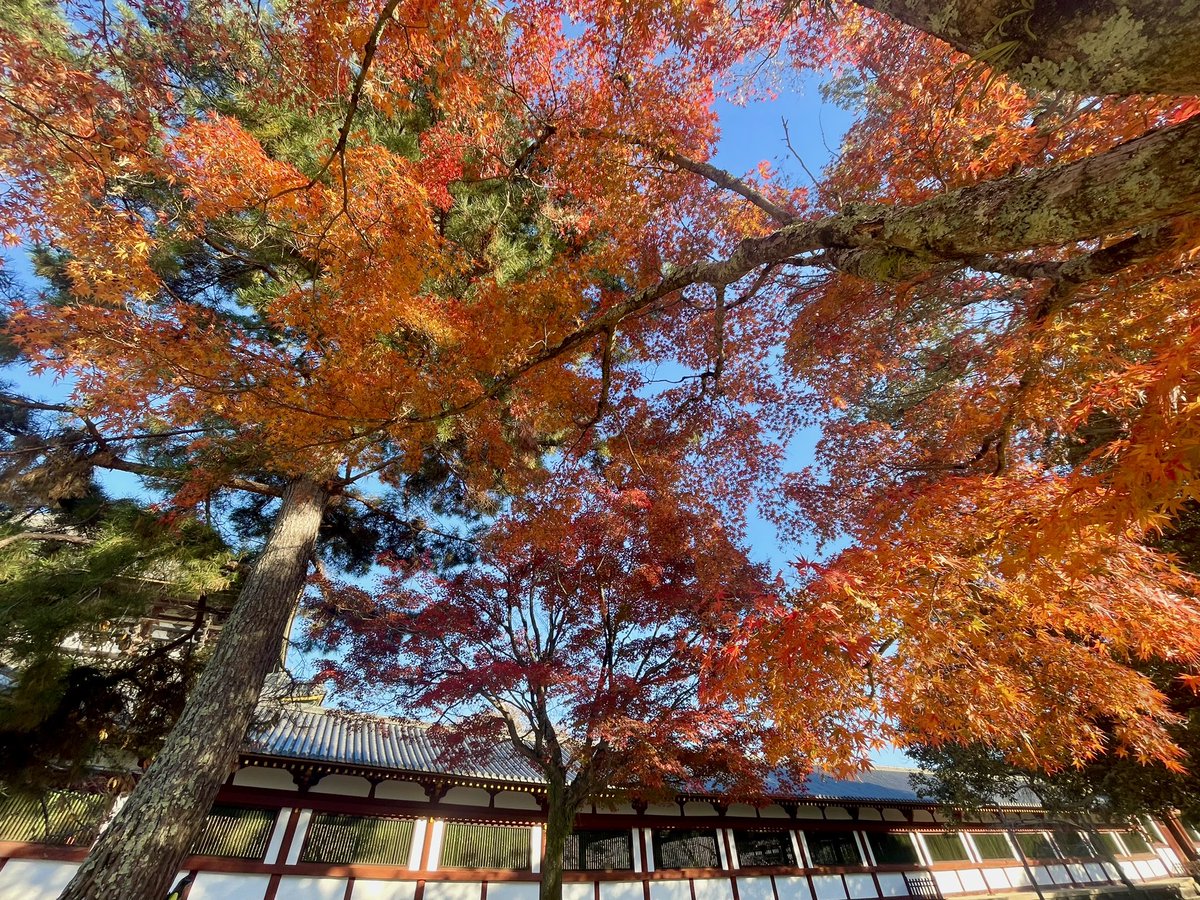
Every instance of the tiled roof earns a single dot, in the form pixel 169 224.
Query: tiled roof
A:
pixel 309 732
pixel 877 784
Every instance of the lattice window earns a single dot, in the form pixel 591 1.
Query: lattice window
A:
pixel 1036 845
pixel 1108 845
pixel 678 848
pixel 367 840
pixel 832 848
pixel 1072 843
pixel 70 818
pixel 946 847
pixel 485 847
pixel 1136 842
pixel 236 831
pixel 892 849
pixel 594 851
pixel 764 848
pixel 993 846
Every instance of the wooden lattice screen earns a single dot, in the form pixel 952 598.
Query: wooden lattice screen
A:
pixel 240 832
pixel 486 847
pixel 69 818
pixel 367 840
pixel 599 851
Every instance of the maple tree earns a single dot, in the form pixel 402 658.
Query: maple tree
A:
pixel 998 440
pixel 301 251
pixel 291 286
pixel 578 636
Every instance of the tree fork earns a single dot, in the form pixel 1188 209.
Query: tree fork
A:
pixel 138 855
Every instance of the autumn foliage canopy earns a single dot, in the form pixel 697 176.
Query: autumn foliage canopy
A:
pixel 361 242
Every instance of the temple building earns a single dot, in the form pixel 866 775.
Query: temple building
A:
pixel 327 807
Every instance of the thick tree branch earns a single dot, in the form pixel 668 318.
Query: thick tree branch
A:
pixel 1084 46
pixel 1142 182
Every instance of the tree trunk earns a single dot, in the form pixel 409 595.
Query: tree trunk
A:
pixel 1090 47
pixel 139 854
pixel 560 821
pixel 1108 857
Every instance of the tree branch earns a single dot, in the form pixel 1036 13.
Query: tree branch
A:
pixel 1141 182
pixel 43 536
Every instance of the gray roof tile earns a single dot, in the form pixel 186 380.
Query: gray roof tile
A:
pixel 308 732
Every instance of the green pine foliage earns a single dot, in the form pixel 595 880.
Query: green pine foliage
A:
pixel 81 686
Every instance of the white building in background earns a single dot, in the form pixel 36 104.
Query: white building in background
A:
pixel 324 807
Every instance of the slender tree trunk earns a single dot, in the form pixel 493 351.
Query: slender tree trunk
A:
pixel 1108 857
pixel 139 853
pixel 560 821
pixel 1084 46
pixel 1025 864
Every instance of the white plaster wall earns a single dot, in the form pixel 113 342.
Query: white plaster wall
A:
pixel 713 889
pixel 575 890
pixel 512 890
pixel 947 882
pixel 296 888
pixel 755 888
pixel 383 890
pixel 466 795
pixel 921 815
pixel 400 790
pixel 621 890
pixel 792 887
pixel 222 886
pixel 262 777
pixel 663 809
pixel 1017 876
pixel 829 887
pixel 670 890
pixel 453 890
pixel 837 812
pixel 742 811
pixel 345 785
pixel 1059 874
pixel 872 815
pixel 515 800
pixel 997 879
pixel 808 812
pixel 972 881
pixel 698 808
pixel 297 844
pixel 894 815
pixel 1150 868
pixel 774 811
pixel 861 886
pixel 34 879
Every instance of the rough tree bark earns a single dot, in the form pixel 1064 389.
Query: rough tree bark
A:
pixel 139 853
pixel 1085 46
